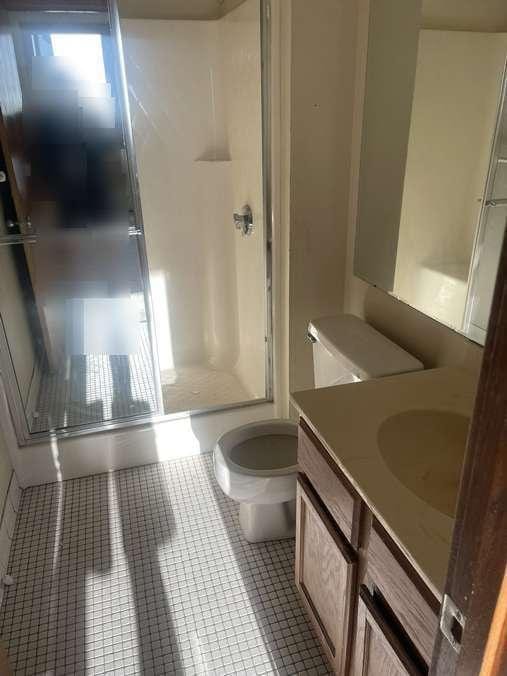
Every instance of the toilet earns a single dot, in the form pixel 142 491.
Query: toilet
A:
pixel 256 464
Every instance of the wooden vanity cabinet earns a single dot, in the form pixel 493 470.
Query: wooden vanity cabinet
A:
pixel 326 567
pixel 378 650
pixel 332 487
pixel 373 614
pixel 390 574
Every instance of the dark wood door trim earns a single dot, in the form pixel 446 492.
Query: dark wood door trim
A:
pixel 479 549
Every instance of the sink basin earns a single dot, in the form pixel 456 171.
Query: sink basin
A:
pixel 424 449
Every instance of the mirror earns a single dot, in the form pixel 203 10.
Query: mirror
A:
pixel 432 203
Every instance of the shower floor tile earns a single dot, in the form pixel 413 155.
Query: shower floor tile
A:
pixel 145 571
pixel 94 388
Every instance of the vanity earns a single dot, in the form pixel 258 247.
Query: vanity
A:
pixel 380 464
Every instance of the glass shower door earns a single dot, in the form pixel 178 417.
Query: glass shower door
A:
pixel 73 292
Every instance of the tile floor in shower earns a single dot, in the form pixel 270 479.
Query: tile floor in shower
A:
pixel 96 388
pixel 145 571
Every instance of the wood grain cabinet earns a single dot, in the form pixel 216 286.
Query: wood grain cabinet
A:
pixel 325 576
pixel 378 650
pixel 332 487
pixel 372 612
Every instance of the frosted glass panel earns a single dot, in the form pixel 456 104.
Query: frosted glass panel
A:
pixel 79 280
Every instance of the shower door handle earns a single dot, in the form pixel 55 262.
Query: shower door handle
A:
pixel 9 240
pixel 244 220
pixel 501 202
pixel 134 231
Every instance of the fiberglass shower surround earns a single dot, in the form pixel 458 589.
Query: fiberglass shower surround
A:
pixel 195 98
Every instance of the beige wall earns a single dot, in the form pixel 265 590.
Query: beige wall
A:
pixel 322 91
pixel 433 343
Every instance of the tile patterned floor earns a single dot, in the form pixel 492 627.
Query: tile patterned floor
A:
pixel 144 571
pixel 93 388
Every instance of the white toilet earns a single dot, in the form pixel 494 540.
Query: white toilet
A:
pixel 256 464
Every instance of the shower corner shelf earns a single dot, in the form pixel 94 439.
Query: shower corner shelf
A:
pixel 214 158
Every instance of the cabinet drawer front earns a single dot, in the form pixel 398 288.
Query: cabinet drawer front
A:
pixel 325 575
pixel 413 604
pixel 378 651
pixel 332 487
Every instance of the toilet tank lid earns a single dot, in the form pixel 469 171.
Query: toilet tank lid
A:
pixel 366 352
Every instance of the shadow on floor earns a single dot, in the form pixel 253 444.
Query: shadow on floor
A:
pixel 147 523
pixel 71 610
pixel 279 614
pixel 62 541
pixel 90 389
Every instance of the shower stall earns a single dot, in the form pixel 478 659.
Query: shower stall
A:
pixel 135 247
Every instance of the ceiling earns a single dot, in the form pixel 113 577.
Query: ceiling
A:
pixel 175 9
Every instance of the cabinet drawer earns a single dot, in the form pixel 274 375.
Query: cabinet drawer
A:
pixel 412 603
pixel 333 488
pixel 326 571
pixel 378 651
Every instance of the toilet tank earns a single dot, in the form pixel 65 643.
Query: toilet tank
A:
pixel 346 349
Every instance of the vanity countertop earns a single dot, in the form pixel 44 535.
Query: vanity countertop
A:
pixel 350 421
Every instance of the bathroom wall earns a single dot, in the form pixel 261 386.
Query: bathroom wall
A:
pixel 240 47
pixel 322 85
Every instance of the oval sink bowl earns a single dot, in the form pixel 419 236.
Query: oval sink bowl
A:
pixel 425 451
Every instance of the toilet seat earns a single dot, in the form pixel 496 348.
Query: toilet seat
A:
pixel 259 485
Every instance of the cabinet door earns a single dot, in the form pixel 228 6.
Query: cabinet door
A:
pixel 325 575
pixel 377 650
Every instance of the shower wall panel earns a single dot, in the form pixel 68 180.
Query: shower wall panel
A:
pixel 240 45
pixel 185 175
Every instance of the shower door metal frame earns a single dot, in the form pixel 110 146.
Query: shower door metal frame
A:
pixel 486 205
pixel 17 410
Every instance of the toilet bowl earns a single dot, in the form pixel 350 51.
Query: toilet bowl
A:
pixel 256 465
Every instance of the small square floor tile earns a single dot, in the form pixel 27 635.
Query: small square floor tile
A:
pixel 145 571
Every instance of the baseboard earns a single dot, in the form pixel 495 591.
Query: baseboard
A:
pixel 7 525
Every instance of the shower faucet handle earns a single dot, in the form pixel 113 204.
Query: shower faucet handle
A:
pixel 244 220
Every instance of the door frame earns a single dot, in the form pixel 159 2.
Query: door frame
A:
pixel 477 567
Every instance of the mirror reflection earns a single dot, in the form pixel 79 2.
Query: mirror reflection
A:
pixel 433 182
